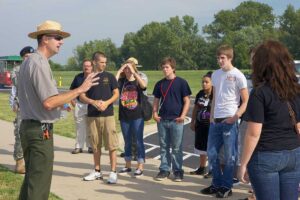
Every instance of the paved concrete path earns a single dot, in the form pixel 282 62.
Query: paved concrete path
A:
pixel 69 169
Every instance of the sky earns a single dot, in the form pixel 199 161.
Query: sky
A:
pixel 88 20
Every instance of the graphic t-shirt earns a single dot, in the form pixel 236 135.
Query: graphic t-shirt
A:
pixel 227 86
pixel 129 102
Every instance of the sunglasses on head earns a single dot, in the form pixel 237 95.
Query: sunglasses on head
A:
pixel 56 37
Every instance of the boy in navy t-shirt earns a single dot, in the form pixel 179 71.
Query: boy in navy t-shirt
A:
pixel 170 106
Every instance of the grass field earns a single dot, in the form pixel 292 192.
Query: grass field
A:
pixel 63 127
pixel 192 76
pixel 10 184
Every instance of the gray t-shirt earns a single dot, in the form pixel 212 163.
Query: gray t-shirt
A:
pixel 35 85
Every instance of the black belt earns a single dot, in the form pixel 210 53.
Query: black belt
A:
pixel 219 120
pixel 49 125
pixel 31 120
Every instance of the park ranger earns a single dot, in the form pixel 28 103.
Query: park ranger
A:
pixel 40 106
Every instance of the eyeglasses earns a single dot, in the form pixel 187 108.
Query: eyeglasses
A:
pixel 56 37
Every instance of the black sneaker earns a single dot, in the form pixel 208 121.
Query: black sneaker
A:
pixel 138 173
pixel 235 182
pixel 198 171
pixel 90 150
pixel 208 175
pixel 178 176
pixel 209 190
pixel 76 151
pixel 162 175
pixel 125 170
pixel 224 193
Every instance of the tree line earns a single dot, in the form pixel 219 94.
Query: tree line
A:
pixel 242 27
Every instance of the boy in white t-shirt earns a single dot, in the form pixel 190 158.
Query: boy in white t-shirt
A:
pixel 230 86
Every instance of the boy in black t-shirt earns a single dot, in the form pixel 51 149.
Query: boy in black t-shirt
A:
pixel 100 120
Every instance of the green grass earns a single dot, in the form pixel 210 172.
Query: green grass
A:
pixel 64 127
pixel 193 77
pixel 10 184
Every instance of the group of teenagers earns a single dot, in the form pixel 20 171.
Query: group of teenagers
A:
pixel 269 155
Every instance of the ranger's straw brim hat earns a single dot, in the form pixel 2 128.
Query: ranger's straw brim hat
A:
pixel 49 27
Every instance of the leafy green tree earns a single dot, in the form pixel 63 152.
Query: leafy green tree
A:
pixel 128 47
pixel 72 64
pixel 247 14
pixel 88 48
pixel 290 30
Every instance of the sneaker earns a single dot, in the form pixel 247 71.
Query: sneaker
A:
pixel 198 171
pixel 90 150
pixel 209 190
pixel 235 182
pixel 113 177
pixel 224 192
pixel 125 170
pixel 94 175
pixel 162 175
pixel 208 175
pixel 138 173
pixel 178 176
pixel 76 151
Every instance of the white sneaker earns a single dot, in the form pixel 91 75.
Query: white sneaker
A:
pixel 94 175
pixel 113 177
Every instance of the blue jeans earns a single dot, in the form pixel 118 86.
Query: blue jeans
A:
pixel 222 134
pixel 275 174
pixel 170 136
pixel 135 127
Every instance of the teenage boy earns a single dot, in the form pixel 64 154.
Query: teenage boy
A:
pixel 100 119
pixel 229 86
pixel 170 106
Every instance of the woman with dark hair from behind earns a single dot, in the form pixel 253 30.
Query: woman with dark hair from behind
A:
pixel 271 152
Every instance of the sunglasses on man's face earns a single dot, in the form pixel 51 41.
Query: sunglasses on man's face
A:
pixel 56 37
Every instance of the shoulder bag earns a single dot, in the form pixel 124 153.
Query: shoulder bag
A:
pixel 293 117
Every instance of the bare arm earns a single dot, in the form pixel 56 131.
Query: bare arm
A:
pixel 155 109
pixel 186 106
pixel 242 108
pixel 60 99
pixel 212 108
pixel 105 104
pixel 83 98
pixel 195 109
pixel 120 71
pixel 140 81
pixel 252 136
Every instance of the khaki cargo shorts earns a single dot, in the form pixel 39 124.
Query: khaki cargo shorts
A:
pixel 103 129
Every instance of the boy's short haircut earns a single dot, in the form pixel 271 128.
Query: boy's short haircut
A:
pixel 87 60
pixel 225 50
pixel 169 60
pixel 98 54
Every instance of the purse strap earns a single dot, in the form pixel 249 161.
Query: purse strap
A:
pixel 292 113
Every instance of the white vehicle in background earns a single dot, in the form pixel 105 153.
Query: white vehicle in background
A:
pixel 297 67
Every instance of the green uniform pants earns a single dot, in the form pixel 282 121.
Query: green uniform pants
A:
pixel 38 155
